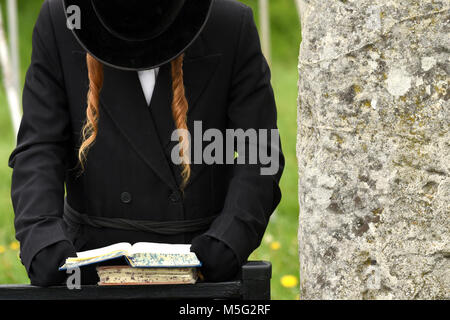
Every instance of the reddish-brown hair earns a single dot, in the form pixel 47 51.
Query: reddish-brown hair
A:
pixel 179 111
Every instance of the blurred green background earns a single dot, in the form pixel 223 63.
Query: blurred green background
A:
pixel 280 242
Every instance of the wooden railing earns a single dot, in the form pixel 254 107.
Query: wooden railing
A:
pixel 253 283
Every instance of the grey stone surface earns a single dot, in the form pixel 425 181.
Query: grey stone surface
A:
pixel 374 149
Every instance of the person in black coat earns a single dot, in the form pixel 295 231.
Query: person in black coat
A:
pixel 87 174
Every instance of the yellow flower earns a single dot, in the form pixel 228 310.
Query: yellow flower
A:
pixel 289 281
pixel 14 245
pixel 275 245
pixel 2 249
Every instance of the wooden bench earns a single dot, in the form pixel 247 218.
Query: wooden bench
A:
pixel 254 284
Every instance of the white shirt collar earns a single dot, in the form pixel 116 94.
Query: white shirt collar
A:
pixel 148 82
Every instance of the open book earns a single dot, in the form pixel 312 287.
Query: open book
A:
pixel 141 254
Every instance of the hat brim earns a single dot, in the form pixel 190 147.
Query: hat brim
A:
pixel 140 55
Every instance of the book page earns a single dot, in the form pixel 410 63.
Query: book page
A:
pixel 152 247
pixel 122 247
pixel 79 262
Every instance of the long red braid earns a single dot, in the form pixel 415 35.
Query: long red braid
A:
pixel 90 128
pixel 179 112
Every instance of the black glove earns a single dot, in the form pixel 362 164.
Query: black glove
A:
pixel 219 263
pixel 44 266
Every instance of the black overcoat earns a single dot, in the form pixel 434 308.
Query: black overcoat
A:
pixel 129 173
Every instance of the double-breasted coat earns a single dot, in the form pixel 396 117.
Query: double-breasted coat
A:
pixel 128 172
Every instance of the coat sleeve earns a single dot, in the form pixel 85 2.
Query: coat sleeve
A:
pixel 252 196
pixel 39 160
pixel 42 270
pixel 219 263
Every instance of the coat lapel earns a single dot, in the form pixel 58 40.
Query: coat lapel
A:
pixel 124 101
pixel 197 74
pixel 199 66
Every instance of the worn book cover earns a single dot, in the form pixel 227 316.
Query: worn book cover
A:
pixel 126 275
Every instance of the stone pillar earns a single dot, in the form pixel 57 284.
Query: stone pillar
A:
pixel 374 149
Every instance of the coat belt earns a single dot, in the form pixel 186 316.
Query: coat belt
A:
pixel 74 218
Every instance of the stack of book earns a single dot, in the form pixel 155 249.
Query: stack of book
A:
pixel 148 263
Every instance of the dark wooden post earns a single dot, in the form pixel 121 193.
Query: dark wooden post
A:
pixel 256 277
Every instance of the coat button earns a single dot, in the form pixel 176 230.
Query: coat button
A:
pixel 175 196
pixel 125 197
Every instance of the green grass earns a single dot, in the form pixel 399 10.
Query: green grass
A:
pixel 284 223
pixel 283 226
pixel 282 229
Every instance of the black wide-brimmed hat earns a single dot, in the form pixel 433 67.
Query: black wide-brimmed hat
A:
pixel 138 34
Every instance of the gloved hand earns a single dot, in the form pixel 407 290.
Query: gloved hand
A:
pixel 44 266
pixel 219 263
